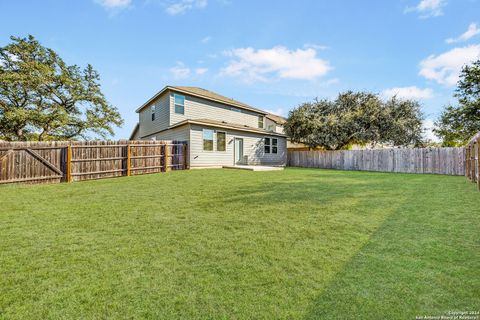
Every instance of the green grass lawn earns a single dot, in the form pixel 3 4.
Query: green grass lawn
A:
pixel 231 244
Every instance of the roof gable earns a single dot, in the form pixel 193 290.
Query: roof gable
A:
pixel 205 94
pixel 276 119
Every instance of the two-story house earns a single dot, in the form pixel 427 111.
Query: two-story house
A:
pixel 220 131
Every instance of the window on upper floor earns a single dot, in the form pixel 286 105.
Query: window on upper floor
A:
pixel 179 103
pixel 152 110
pixel 207 140
pixel 235 109
pixel 260 122
pixel 270 145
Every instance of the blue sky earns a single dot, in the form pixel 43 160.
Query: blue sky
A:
pixel 272 55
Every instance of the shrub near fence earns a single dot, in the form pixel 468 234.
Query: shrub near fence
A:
pixel 450 161
pixel 37 162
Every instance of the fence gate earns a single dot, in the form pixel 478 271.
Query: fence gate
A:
pixel 62 161
pixel 30 163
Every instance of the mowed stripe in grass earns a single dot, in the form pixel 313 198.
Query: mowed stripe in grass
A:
pixel 300 243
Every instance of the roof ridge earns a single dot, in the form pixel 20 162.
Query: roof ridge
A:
pixel 205 94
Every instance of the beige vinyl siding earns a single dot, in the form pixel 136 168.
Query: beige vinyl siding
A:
pixel 162 119
pixel 198 108
pixel 180 134
pixel 252 147
pixel 270 125
pixel 279 129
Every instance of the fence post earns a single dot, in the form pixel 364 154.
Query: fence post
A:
pixel 166 157
pixel 128 159
pixel 472 163
pixel 467 161
pixel 69 162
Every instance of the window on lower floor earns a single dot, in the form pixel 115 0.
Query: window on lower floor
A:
pixel 270 145
pixel 274 145
pixel 221 141
pixel 207 140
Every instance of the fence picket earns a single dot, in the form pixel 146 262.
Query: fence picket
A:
pixel 450 161
pixel 40 162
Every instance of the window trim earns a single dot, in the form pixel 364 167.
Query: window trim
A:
pixel 203 140
pixel 175 104
pixel 270 145
pixel 216 136
pixel 261 119
pixel 153 109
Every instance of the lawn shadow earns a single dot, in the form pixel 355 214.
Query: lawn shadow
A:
pixel 414 264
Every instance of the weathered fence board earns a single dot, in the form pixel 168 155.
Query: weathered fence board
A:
pixel 41 162
pixel 450 161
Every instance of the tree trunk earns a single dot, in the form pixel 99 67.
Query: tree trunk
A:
pixel 41 135
pixel 20 135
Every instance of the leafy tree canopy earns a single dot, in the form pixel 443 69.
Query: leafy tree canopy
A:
pixel 457 124
pixel 43 98
pixel 356 118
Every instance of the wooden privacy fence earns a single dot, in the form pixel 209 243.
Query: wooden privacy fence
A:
pixel 472 163
pixel 37 162
pixel 449 161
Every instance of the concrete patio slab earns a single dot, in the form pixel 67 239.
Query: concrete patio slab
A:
pixel 254 168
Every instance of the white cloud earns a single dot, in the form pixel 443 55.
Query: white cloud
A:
pixel 428 8
pixel 201 71
pixel 428 126
pixel 446 67
pixel 182 6
pixel 315 46
pixel 472 31
pixel 408 93
pixel 206 39
pixel 279 61
pixel 114 4
pixel 180 71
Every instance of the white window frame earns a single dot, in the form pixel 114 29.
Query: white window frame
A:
pixel 203 139
pixel 274 145
pixel 216 136
pixel 175 103
pixel 153 108
pixel 262 120
pixel 270 145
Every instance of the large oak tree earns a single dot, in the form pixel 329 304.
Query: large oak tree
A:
pixel 457 124
pixel 356 118
pixel 43 98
